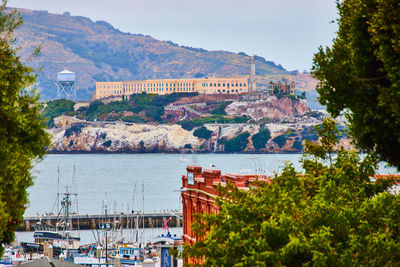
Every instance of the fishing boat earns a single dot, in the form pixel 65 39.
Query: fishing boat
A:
pixel 129 254
pixel 59 236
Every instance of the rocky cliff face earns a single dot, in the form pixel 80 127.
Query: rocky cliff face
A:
pixel 73 135
pixel 272 108
pixel 120 137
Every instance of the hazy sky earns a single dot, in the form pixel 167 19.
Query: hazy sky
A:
pixel 287 32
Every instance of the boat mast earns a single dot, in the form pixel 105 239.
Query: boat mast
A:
pixel 133 232
pixel 143 213
pixel 58 189
pixel 106 231
pixel 67 204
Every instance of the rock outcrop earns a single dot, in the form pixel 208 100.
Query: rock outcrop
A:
pixel 120 137
pixel 272 108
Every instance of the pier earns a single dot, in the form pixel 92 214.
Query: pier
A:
pixel 85 222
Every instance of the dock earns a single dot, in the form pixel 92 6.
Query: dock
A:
pixel 85 222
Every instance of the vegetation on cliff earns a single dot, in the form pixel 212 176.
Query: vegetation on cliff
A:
pixel 56 108
pixel 22 137
pixel 261 138
pixel 202 132
pixel 238 143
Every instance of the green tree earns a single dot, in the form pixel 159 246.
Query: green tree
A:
pixel 56 108
pixel 188 125
pixel 280 140
pixel 261 138
pixel 360 74
pixel 238 143
pixel 330 215
pixel 220 109
pixel 202 132
pixel 297 145
pixel 22 137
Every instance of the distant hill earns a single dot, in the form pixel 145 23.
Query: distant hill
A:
pixel 96 51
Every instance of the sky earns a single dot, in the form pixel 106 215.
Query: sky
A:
pixel 287 32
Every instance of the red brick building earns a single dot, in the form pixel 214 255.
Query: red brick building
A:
pixel 199 189
pixel 282 87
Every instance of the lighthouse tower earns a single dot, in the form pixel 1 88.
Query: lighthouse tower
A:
pixel 252 80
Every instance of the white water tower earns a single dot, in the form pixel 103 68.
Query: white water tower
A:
pixel 66 85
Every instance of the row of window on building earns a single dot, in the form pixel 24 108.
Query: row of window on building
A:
pixel 222 91
pixel 148 85
pixel 223 84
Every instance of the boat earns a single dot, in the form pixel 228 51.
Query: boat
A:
pixel 167 239
pixel 55 237
pixel 129 254
pixel 59 236
pixel 89 255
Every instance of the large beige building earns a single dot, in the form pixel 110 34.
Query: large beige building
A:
pixel 167 86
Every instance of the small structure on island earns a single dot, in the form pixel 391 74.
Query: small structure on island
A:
pixel 252 78
pixel 66 85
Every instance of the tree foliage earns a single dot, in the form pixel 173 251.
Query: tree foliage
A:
pixel 280 140
pixel 202 132
pixel 330 215
pixel 22 138
pixel 56 108
pixel 220 109
pixel 297 145
pixel 261 138
pixel 360 74
pixel 238 143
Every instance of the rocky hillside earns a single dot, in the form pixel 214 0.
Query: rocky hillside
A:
pixel 96 51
